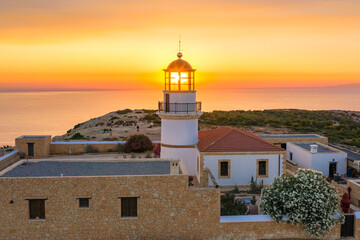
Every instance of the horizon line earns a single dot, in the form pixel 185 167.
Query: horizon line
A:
pixel 137 89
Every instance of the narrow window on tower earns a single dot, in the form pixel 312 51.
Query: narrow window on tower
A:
pixel 224 169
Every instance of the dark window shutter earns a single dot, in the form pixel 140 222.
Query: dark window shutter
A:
pixel 262 168
pixel 37 208
pixel 224 168
pixel 129 207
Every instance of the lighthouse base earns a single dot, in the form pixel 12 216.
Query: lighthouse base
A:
pixel 188 155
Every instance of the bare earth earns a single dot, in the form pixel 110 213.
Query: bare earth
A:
pixel 124 125
pixel 121 125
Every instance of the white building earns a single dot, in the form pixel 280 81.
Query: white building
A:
pixel 319 157
pixel 234 156
pixel 230 155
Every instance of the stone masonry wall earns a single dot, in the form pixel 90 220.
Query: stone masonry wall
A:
pixel 167 209
pixel 79 148
pixel 41 146
pixel 9 159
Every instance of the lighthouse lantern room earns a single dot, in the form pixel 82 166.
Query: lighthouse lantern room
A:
pixel 179 112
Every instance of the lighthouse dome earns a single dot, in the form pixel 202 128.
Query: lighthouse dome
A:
pixel 179 65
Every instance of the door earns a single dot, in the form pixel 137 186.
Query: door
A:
pixel 167 102
pixel 332 169
pixel 30 149
pixel 347 229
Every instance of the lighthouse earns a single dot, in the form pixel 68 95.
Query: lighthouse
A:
pixel 179 112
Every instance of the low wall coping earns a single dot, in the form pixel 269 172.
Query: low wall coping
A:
pixel 95 142
pixel 9 155
pixel 247 218
pixel 262 218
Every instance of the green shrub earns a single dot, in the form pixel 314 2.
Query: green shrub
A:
pixel 255 187
pixel 119 148
pixel 152 117
pixel 113 118
pixel 90 149
pixel 230 206
pixel 77 136
pixel 125 111
pixel 138 143
pixel 78 125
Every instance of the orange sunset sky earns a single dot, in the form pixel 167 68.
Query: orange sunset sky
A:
pixel 125 44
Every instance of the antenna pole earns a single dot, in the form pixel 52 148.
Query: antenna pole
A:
pixel 179 43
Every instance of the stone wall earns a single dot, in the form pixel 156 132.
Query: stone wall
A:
pixel 9 159
pixel 41 145
pixel 268 230
pixel 77 148
pixel 290 168
pixel 167 209
pixel 355 193
pixel 357 225
pixel 278 141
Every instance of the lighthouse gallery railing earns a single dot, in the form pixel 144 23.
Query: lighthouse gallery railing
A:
pixel 179 107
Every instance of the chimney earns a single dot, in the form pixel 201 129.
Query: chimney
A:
pixel 313 148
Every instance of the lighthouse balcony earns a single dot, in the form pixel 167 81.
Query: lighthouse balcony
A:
pixel 180 108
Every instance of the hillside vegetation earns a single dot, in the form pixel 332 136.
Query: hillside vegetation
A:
pixel 338 126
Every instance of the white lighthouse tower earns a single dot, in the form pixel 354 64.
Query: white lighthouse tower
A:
pixel 179 113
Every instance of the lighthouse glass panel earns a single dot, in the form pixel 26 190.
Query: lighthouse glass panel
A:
pixel 180 81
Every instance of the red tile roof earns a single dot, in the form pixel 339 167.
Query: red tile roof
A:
pixel 228 139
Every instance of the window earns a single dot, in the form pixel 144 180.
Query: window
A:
pixel 224 169
pixel 129 207
pixel 37 208
pixel 198 165
pixel 84 202
pixel 262 168
pixel 291 156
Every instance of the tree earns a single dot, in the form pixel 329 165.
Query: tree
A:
pixel 231 206
pixel 306 198
pixel 138 143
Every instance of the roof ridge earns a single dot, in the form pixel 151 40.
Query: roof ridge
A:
pixel 255 137
pixel 217 139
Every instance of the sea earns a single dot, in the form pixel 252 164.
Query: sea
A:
pixel 55 112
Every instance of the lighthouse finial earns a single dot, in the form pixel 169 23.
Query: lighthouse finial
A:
pixel 179 53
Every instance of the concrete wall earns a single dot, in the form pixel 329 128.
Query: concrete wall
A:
pixel 300 156
pixel 242 167
pixel 187 155
pixel 41 146
pixel 320 162
pixel 167 209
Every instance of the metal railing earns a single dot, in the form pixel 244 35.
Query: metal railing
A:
pixel 179 107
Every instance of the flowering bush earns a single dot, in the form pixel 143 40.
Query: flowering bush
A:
pixel 306 198
pixel 157 150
